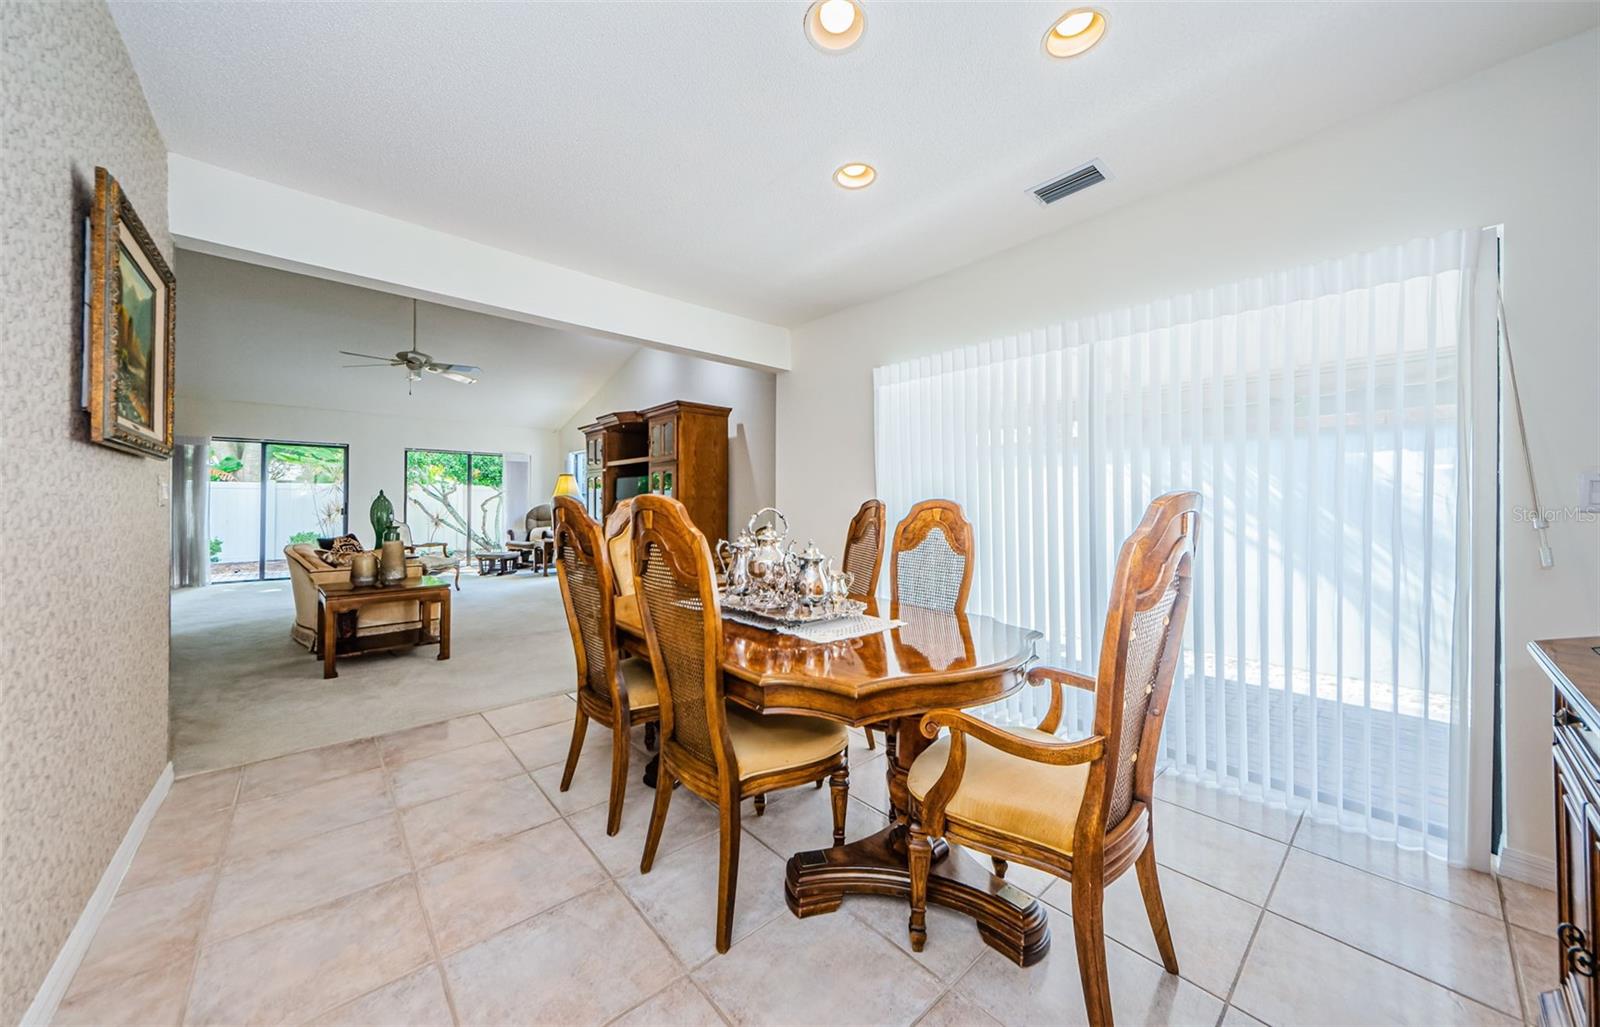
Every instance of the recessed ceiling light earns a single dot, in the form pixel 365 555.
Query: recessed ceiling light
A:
pixel 835 25
pixel 1075 32
pixel 855 176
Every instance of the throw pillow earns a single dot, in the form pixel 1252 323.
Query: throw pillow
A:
pixel 333 559
pixel 346 544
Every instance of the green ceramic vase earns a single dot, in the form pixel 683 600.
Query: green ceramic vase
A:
pixel 382 518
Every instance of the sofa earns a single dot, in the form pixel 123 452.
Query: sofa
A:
pixel 308 571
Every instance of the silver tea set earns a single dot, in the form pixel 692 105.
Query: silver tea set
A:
pixel 764 574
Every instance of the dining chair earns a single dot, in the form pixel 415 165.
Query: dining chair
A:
pixel 930 566
pixel 718 750
pixel 617 692
pixel 1081 810
pixel 863 560
pixel 619 547
pixel 863 549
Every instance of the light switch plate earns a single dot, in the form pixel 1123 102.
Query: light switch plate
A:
pixel 163 491
pixel 1589 492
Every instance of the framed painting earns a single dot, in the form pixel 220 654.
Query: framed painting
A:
pixel 132 300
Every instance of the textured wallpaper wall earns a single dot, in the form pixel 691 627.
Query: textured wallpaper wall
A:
pixel 83 671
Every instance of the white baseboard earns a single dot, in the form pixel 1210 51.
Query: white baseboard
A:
pixel 1539 871
pixel 54 988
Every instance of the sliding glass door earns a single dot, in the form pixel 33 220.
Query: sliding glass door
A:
pixel 1319 414
pixel 456 498
pixel 264 496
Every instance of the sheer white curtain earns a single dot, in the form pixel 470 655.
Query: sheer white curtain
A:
pixel 191 475
pixel 1319 412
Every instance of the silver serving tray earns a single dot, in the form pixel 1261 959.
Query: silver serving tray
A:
pixel 783 614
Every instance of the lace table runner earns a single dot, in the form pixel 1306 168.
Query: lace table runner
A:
pixel 826 631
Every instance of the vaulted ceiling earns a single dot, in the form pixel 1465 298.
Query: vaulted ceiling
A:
pixel 257 335
pixel 687 148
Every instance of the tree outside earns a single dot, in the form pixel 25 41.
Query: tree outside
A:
pixel 455 497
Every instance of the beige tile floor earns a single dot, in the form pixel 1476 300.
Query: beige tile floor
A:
pixel 437 876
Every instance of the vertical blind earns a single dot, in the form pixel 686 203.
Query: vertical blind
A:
pixel 1318 412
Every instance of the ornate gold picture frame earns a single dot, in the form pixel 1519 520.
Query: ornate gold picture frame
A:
pixel 132 302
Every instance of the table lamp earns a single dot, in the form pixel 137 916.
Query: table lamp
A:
pixel 566 485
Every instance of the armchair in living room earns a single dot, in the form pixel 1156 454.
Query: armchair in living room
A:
pixel 432 563
pixel 538 536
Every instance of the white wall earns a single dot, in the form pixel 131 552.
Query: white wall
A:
pixel 653 376
pixel 1515 145
pixel 377 443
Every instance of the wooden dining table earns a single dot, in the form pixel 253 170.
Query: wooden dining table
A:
pixel 888 679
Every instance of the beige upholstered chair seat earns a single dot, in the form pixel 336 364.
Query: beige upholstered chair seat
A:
pixel 1008 794
pixel 778 741
pixel 640 681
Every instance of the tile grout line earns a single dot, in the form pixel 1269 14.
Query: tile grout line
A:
pixel 1357 948
pixel 611 880
pixel 416 885
pixel 1261 916
pixel 688 971
pixel 1305 815
pixel 211 896
pixel 1516 960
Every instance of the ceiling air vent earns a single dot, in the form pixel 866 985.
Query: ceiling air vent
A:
pixel 1073 181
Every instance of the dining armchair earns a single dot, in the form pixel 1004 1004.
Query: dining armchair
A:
pixel 718 750
pixel 1081 810
pixel 616 692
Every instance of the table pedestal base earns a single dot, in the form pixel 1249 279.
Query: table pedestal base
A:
pixel 1010 920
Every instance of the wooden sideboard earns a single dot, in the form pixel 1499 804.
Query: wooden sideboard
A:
pixel 678 449
pixel 1574 666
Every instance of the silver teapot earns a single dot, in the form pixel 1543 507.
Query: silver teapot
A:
pixel 735 559
pixel 767 566
pixel 810 569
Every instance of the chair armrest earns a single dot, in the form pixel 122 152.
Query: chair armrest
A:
pixel 1059 754
pixel 413 550
pixel 961 725
pixel 1055 678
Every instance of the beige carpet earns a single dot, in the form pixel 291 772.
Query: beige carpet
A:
pixel 243 691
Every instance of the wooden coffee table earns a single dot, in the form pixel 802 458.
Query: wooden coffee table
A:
pixel 428 592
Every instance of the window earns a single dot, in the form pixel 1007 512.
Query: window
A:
pixel 263 496
pixel 1318 412
pixel 456 498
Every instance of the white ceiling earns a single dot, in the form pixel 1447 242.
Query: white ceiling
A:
pixel 257 335
pixel 687 148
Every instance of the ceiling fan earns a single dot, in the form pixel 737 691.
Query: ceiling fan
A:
pixel 416 362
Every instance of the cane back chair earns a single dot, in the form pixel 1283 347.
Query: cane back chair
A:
pixel 618 693
pixel 863 549
pixel 1081 810
pixel 719 751
pixel 931 565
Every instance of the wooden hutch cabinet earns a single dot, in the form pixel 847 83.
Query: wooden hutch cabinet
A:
pixel 614 451
pixel 1574 667
pixel 677 449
